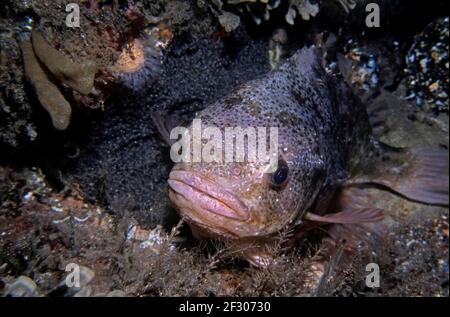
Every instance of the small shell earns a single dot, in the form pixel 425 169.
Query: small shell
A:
pixel 22 287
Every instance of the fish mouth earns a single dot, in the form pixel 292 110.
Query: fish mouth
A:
pixel 191 191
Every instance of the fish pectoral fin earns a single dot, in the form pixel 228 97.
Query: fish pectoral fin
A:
pixel 162 126
pixel 350 216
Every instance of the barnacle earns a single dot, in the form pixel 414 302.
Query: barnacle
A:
pixel 305 8
pixel 229 21
pixel 260 9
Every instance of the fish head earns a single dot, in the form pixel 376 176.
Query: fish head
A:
pixel 255 197
pixel 245 199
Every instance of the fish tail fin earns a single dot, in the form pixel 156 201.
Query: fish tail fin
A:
pixel 418 174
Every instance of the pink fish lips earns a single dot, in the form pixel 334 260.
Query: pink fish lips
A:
pixel 191 192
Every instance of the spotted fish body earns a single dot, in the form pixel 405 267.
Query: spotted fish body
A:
pixel 324 138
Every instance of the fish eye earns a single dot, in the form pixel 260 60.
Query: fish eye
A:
pixel 279 178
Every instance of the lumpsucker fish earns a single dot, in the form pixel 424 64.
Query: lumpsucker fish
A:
pixel 325 144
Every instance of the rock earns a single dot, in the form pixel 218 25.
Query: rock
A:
pixel 84 292
pixel 22 287
pixel 116 293
pixel 229 21
pixel 86 276
pixel 427 66
pixel 17 129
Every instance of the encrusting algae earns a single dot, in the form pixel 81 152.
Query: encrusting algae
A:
pixel 79 77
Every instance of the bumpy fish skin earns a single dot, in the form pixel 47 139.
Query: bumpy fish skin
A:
pixel 324 138
pixel 323 126
pixel 322 132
